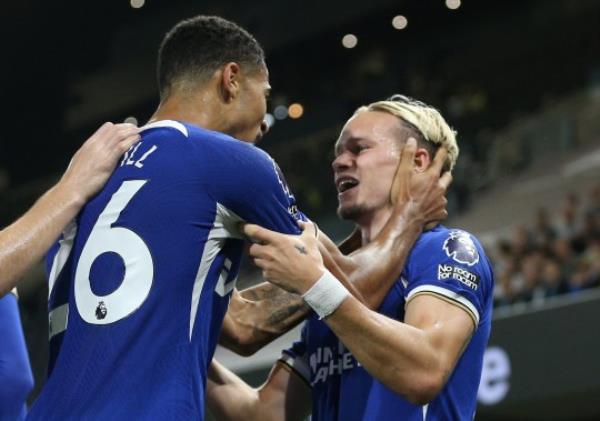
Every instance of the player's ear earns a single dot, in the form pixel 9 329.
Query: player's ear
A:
pixel 230 81
pixel 422 159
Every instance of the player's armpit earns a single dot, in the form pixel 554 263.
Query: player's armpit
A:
pixel 447 325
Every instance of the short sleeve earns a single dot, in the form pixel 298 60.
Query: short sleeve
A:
pixel 452 265
pixel 255 189
pixel 296 357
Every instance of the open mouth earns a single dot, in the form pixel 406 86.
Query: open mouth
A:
pixel 344 184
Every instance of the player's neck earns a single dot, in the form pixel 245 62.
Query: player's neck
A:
pixel 372 224
pixel 201 113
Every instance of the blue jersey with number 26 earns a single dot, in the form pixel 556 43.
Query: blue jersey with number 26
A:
pixel 140 284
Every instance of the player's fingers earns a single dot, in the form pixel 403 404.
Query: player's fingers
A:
pixel 101 132
pixel 106 127
pixel 407 159
pixel 326 242
pixel 258 234
pixel 261 263
pixel 127 126
pixel 309 228
pixel 439 160
pixel 122 133
pixel 446 180
pixel 258 251
pixel 124 145
pixel 408 152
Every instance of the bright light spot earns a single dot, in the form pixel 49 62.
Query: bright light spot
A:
pixel 295 110
pixel 349 41
pixel 280 112
pixel 269 119
pixel 399 22
pixel 453 4
pixel 131 120
pixel 137 4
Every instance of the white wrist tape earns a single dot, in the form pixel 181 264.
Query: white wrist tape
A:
pixel 326 295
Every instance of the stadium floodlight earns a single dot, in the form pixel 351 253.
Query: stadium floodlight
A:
pixel 349 41
pixel 399 22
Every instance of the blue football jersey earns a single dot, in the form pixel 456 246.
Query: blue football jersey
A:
pixel 450 264
pixel 16 378
pixel 140 283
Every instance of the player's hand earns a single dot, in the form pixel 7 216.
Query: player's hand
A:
pixel 422 193
pixel 292 262
pixel 97 158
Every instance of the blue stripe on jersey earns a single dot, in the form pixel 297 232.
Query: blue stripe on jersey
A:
pixel 149 277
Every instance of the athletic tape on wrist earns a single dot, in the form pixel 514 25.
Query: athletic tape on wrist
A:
pixel 326 295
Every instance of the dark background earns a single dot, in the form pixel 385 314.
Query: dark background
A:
pixel 68 66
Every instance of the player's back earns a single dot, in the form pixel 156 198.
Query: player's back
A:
pixel 139 298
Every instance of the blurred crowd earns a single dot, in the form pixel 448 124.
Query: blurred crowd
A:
pixel 558 254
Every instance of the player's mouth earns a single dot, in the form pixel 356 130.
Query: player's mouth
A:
pixel 345 184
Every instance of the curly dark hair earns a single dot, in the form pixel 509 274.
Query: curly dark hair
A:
pixel 196 47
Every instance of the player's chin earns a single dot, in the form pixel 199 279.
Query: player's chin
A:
pixel 350 211
pixel 253 136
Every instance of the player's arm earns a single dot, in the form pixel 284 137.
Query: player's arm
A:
pixel 284 396
pixel 414 358
pixel 258 315
pixel 25 241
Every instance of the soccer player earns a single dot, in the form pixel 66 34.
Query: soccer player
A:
pixel 140 284
pixel 420 356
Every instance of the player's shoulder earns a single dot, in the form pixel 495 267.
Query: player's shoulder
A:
pixel 450 243
pixel 229 149
pixel 200 137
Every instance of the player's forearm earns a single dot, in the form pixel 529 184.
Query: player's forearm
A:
pixel 25 241
pixel 399 355
pixel 282 397
pixel 389 250
pixel 258 315
pixel 228 397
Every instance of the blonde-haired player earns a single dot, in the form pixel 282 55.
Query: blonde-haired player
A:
pixel 419 357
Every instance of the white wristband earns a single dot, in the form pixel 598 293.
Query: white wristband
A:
pixel 326 295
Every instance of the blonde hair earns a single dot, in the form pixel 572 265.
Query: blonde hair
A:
pixel 426 121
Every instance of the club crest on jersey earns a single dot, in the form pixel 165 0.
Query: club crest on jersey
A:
pixel 460 247
pixel 101 311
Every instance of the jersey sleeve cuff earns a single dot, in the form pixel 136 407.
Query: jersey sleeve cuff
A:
pixel 449 296
pixel 298 365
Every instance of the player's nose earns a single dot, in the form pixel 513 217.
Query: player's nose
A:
pixel 342 161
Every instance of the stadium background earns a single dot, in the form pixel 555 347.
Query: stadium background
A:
pixel 519 80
